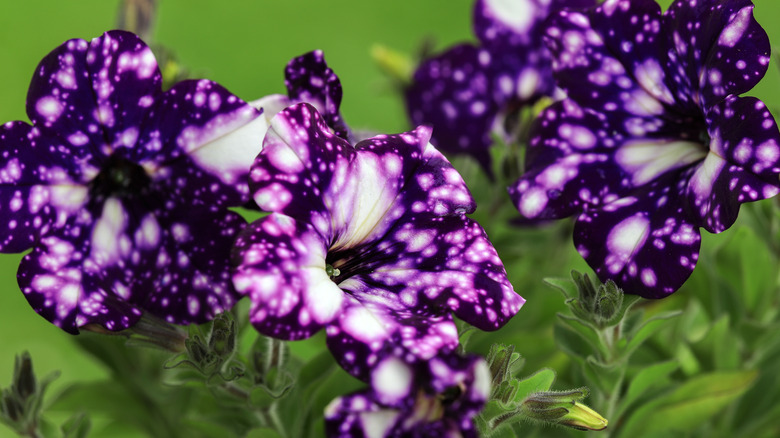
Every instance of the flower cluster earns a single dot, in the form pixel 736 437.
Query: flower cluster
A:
pixel 653 141
pixel 469 91
pixel 122 190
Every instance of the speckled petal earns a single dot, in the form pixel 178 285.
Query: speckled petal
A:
pixel 511 32
pixel 570 164
pixel 743 164
pixel 644 242
pixel 191 264
pixel 280 265
pixel 111 261
pixel 718 46
pixel 452 92
pixel 55 283
pixel 608 68
pixel 374 317
pixel 39 188
pixel 443 263
pixel 201 139
pixel 518 22
pixel 125 80
pixel 351 195
pixel 61 101
pixel 309 79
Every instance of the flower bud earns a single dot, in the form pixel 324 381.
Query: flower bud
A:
pixel 563 408
pixel 24 379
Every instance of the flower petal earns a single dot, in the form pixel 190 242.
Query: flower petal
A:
pixel 205 136
pixel 55 283
pixel 61 101
pixel 742 166
pixel 351 195
pixel 719 47
pixel 36 193
pixel 280 265
pixel 444 263
pixel 309 79
pixel 452 93
pixel 374 318
pixel 644 242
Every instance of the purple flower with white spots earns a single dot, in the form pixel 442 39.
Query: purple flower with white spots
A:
pixel 470 91
pixel 370 242
pixel 436 398
pixel 122 190
pixel 309 79
pixel 653 142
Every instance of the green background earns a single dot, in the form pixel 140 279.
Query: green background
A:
pixel 244 45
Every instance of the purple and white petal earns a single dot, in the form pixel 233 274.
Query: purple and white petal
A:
pixel 201 138
pixel 61 102
pixel 718 49
pixel 351 195
pixel 36 193
pixel 445 263
pixel 644 242
pixel 309 79
pixel 55 283
pixel 452 92
pixel 742 166
pixel 374 318
pixel 280 265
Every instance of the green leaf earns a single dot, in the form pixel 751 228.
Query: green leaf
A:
pixel 748 266
pixel 586 331
pixel 539 381
pixel 568 341
pixel 647 329
pixel 565 285
pixel 77 426
pixel 692 403
pixel 649 378
pixel 603 376
pixel 723 345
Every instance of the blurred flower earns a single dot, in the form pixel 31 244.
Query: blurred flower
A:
pixel 653 141
pixel 369 241
pixel 436 398
pixel 470 91
pixel 122 190
pixel 309 79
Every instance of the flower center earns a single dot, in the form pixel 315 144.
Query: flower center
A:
pixel 331 271
pixel 121 178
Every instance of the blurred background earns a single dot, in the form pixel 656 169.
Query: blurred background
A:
pixel 245 45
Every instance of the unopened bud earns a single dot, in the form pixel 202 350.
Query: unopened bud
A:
pixel 24 377
pixel 563 408
pixel 11 407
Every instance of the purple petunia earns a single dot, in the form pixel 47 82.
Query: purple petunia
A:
pixel 122 190
pixel 309 79
pixel 436 398
pixel 653 142
pixel 469 91
pixel 370 242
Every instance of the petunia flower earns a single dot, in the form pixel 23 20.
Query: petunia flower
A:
pixel 653 142
pixel 370 242
pixel 122 190
pixel 309 79
pixel 470 91
pixel 436 398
